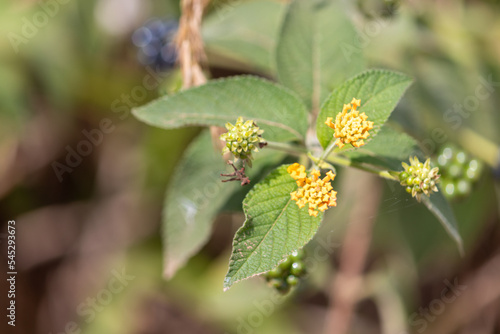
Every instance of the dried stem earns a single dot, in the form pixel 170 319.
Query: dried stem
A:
pixel 191 52
pixel 190 43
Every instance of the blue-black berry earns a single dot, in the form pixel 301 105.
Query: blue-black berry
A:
pixel 155 43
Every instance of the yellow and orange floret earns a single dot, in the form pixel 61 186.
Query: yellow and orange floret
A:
pixel 350 126
pixel 313 190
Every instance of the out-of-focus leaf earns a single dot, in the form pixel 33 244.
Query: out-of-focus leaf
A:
pixel 274 228
pixel 379 92
pixel 195 196
pixel 440 207
pixel 244 32
pixel 314 51
pixel 278 111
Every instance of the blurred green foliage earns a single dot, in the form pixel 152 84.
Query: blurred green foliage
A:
pixel 74 68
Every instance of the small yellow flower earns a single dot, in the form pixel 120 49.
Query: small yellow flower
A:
pixel 350 126
pixel 314 191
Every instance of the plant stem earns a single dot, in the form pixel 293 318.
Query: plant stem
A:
pixel 342 161
pixel 334 159
pixel 327 151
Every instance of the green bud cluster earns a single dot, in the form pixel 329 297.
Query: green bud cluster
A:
pixel 419 178
pixel 242 138
pixel 287 274
pixel 458 171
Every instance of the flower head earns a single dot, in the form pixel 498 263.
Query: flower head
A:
pixel 419 178
pixel 350 126
pixel 314 191
pixel 242 138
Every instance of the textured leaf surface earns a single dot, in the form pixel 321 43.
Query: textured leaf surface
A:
pixel 440 207
pixel 244 33
pixel 315 49
pixel 387 150
pixel 275 109
pixel 194 197
pixel 379 91
pixel 274 228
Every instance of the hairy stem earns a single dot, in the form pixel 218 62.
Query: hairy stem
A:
pixel 342 161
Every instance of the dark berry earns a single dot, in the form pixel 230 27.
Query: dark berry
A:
pixel 155 43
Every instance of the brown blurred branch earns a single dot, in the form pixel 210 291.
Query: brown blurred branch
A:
pixel 346 287
pixel 191 51
pixel 481 292
pixel 190 43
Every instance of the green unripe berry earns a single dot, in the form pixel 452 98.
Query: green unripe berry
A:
pixel 425 186
pixel 420 165
pixel 471 174
pixel 286 264
pixel 297 269
pixel 411 169
pixel 416 181
pixel 474 164
pixel 463 187
pixel 448 152
pixel 297 255
pixel 461 157
pixel 275 273
pixel 403 176
pixel 408 189
pixel 409 180
pixel 277 283
pixel 455 170
pixel 449 188
pixel 442 161
pixel 292 280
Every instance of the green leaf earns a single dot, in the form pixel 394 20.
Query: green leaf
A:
pixel 440 207
pixel 235 38
pixel 275 109
pixel 274 228
pixel 317 50
pixel 194 197
pixel 379 91
pixel 387 150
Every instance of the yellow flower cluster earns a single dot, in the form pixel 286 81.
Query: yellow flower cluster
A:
pixel 318 193
pixel 350 126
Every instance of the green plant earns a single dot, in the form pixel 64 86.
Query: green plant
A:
pixel 321 113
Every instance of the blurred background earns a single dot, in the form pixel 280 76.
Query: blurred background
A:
pixel 85 181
